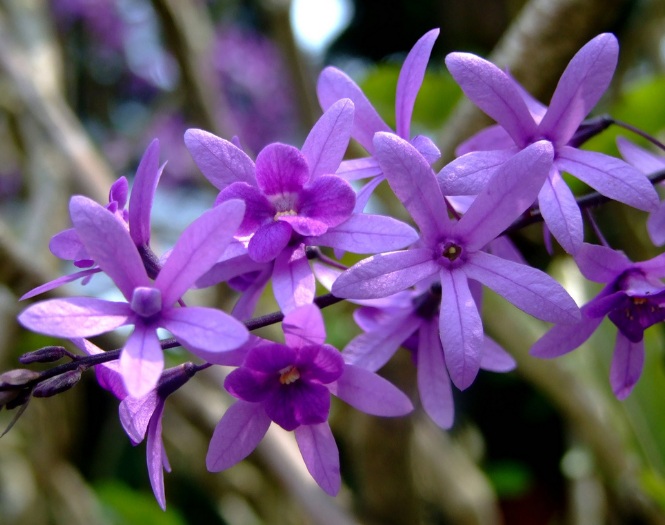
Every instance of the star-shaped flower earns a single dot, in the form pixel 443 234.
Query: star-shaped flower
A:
pixel 453 251
pixel 149 306
pixel 291 385
pixel 582 84
pixel 633 299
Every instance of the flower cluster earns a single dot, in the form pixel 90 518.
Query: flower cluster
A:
pixel 420 288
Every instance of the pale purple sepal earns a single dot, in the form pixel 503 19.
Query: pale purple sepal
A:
pixel 410 79
pixel 373 349
pixel 581 85
pixel 413 181
pixel 67 245
pixel 141 361
pixel 495 358
pixel 656 225
pixel 470 173
pixel 370 393
pixel 529 289
pixel 385 274
pixel 326 143
pixel 365 193
pixel 198 248
pixel 601 264
pixel 135 414
pixel 304 326
pixel 495 93
pixel 627 365
pixel 460 329
pixel 508 195
pixel 55 283
pixel 204 331
pixel 356 169
pixel 156 456
pixel 610 176
pixel 108 374
pixel 75 316
pixel 491 138
pixel 334 85
pixel 143 193
pixel 642 159
pixel 564 338
pixel 319 452
pixel 365 233
pixel 293 280
pixel 561 213
pixel 220 161
pixel 113 250
pixel 434 385
pixel 237 434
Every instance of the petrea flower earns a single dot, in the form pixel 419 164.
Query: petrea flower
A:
pixel 453 251
pixel 582 84
pixel 633 299
pixel 293 201
pixel 334 85
pixel 409 319
pixel 291 385
pixel 68 246
pixel 647 163
pixel 149 306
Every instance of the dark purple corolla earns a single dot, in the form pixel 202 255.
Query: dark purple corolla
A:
pixel 633 299
pixel 454 252
pixel 291 385
pixel 334 85
pixel 293 200
pixel 582 84
pixel 150 305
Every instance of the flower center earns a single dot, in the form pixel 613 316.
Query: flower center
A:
pixel 289 375
pixel 451 251
pixel 285 204
pixel 284 213
pixel 146 301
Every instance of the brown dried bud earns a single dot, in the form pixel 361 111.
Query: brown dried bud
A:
pixel 47 354
pixel 57 384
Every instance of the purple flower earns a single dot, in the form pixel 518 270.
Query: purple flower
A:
pixel 334 85
pixel 293 200
pixel 291 385
pixel 647 163
pixel 149 306
pixel 633 299
pixel 582 84
pixel 453 251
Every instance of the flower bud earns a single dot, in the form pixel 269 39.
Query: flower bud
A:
pixel 17 377
pixel 46 354
pixel 57 384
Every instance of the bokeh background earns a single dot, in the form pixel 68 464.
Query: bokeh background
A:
pixel 85 85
